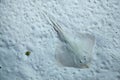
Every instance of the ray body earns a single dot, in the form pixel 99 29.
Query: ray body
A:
pixel 79 51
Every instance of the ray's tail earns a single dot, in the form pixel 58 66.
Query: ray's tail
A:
pixel 56 26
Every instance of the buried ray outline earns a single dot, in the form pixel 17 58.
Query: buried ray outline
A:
pixel 76 49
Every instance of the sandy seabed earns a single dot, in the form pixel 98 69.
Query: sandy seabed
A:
pixel 23 28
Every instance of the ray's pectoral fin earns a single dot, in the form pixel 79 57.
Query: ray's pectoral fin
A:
pixel 63 56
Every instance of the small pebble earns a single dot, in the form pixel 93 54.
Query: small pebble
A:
pixel 27 53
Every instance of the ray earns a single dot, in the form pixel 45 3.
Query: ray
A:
pixel 76 52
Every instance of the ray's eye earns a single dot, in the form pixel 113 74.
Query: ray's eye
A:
pixel 80 61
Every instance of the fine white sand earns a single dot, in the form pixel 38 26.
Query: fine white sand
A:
pixel 23 28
